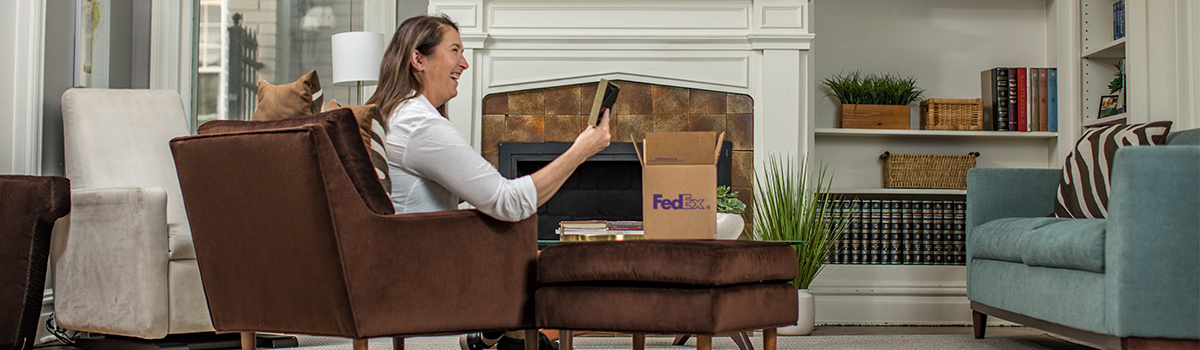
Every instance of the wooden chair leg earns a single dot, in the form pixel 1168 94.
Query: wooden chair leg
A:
pixel 248 341
pixel 639 341
pixel 397 343
pixel 742 340
pixel 360 344
pixel 681 339
pixel 979 323
pixel 769 335
pixel 531 339
pixel 566 339
pixel 703 342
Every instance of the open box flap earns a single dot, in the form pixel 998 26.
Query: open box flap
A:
pixel 674 148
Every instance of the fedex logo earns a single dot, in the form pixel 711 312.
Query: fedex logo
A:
pixel 683 202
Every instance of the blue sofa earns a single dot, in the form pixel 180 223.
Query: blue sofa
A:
pixel 1128 281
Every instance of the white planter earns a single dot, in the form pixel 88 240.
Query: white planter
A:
pixel 729 226
pixel 806 316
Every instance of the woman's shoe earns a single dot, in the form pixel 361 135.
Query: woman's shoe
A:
pixel 544 343
pixel 477 341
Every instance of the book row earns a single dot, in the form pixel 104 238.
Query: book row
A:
pixel 917 232
pixel 1020 99
pixel 1118 19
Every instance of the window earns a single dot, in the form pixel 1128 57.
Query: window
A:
pixel 240 42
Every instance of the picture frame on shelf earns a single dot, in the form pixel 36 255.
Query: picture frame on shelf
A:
pixel 1109 105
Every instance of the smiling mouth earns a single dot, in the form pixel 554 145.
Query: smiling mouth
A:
pixel 455 76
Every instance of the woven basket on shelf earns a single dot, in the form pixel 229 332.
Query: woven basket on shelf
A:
pixel 926 170
pixel 951 114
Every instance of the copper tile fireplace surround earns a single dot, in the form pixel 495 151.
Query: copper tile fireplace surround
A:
pixel 559 114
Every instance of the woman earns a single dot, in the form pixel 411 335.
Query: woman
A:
pixel 431 164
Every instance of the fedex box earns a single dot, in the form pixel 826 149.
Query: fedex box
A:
pixel 679 184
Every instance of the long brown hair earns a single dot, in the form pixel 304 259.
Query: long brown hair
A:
pixel 397 80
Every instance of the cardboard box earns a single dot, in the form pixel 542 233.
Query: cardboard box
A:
pixel 679 184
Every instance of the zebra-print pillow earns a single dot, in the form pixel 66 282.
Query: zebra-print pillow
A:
pixel 1084 187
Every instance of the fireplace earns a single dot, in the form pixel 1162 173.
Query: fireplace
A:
pixel 738 66
pixel 606 187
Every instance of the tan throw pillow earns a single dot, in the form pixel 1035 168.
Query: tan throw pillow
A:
pixel 372 128
pixel 301 97
pixel 1084 187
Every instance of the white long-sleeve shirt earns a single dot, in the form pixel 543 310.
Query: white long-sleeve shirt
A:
pixel 432 166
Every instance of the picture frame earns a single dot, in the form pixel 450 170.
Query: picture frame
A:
pixel 1109 106
pixel 91 43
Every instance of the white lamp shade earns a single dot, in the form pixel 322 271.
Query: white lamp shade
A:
pixel 356 58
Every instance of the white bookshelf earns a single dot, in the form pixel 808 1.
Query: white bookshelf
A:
pixel 836 132
pixel 901 191
pixel 945 45
pixel 1099 55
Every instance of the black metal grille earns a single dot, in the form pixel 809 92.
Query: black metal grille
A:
pixel 243 70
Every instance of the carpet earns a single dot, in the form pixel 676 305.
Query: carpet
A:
pixel 831 342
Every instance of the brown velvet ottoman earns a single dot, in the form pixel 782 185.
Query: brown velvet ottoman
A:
pixel 667 287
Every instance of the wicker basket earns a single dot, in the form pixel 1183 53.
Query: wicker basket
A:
pixel 926 170
pixel 952 114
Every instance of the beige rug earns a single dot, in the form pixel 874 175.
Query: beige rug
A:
pixel 832 342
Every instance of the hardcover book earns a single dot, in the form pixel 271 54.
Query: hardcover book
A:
pixel 885 231
pixel 990 79
pixel 1022 99
pixel 606 96
pixel 1043 103
pixel 871 254
pixel 1052 100
pixel 926 255
pixel 894 239
pixel 1033 100
pixel 1012 98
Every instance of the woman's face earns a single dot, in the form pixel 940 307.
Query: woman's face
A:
pixel 439 72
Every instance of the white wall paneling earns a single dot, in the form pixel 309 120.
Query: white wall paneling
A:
pixel 171 49
pixel 699 44
pixel 21 86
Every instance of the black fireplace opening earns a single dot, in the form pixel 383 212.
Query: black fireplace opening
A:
pixel 608 186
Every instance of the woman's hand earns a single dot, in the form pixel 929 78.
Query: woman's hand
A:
pixel 594 138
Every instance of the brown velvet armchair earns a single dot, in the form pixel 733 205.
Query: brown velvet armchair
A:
pixel 295 235
pixel 29 206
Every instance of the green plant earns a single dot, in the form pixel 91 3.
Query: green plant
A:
pixel 1117 83
pixel 728 202
pixel 874 89
pixel 787 208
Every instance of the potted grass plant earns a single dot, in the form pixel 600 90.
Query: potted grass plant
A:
pixel 789 208
pixel 874 101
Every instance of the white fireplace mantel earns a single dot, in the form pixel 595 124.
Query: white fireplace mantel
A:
pixel 760 48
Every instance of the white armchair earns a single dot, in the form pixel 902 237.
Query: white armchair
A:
pixel 123 261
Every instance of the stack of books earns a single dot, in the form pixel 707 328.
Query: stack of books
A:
pixel 911 232
pixel 599 230
pixel 1020 99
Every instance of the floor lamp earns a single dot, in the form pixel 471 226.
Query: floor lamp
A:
pixel 356 59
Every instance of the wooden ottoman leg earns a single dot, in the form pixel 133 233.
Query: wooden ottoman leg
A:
pixel 703 342
pixel 769 336
pixel 639 341
pixel 681 339
pixel 360 344
pixel 979 323
pixel 566 338
pixel 742 340
pixel 248 341
pixel 397 343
